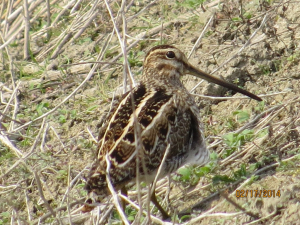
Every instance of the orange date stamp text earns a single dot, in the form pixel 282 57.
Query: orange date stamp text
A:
pixel 257 193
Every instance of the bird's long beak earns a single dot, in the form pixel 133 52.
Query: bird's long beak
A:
pixel 198 73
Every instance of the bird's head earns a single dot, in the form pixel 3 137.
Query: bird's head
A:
pixel 167 63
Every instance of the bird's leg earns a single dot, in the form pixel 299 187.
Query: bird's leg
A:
pixel 123 192
pixel 160 208
pixel 123 203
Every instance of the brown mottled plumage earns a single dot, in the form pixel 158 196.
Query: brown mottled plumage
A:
pixel 167 115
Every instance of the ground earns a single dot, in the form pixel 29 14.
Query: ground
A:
pixel 53 103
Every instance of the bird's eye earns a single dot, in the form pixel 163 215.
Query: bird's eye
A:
pixel 170 54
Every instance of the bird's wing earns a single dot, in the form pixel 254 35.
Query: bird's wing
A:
pixel 146 106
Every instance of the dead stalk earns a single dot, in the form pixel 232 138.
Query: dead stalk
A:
pixel 26 30
pixel 113 192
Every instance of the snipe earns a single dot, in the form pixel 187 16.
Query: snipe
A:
pixel 164 115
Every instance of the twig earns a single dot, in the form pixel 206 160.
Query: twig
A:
pixel 85 26
pixel 5 141
pixel 253 215
pixel 47 215
pixel 152 189
pixel 142 10
pixel 234 98
pixel 24 157
pixel 44 137
pixel 123 47
pixel 17 28
pixel 9 9
pixel 76 6
pixel 67 37
pixel 57 136
pixel 201 35
pixel 80 63
pixel 48 19
pixel 11 38
pixel 26 30
pixel 62 12
pixel 265 218
pixel 8 188
pixel 160 168
pixel 106 214
pixel 92 136
pixel 72 183
pixel 27 205
pixel 256 119
pixel 8 15
pixel 8 117
pixel 113 192
pixel 155 219
pixel 68 196
pixel 39 186
pixel 10 100
pixel 195 87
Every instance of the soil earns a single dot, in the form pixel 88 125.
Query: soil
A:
pixel 254 145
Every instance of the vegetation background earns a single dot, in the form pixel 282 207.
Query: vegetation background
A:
pixel 53 99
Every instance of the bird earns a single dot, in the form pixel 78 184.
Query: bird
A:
pixel 157 115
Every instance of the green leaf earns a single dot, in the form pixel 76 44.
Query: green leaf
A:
pixel 201 171
pixel 237 19
pixel 185 217
pixel 229 139
pixel 248 15
pixel 40 107
pixel 242 115
pixel 185 173
pixel 62 119
pixel 130 218
pixel 92 108
pixel 214 156
pixel 219 178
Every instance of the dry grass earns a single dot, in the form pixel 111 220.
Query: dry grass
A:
pixel 52 106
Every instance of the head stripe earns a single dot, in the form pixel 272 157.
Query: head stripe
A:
pixel 159 47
